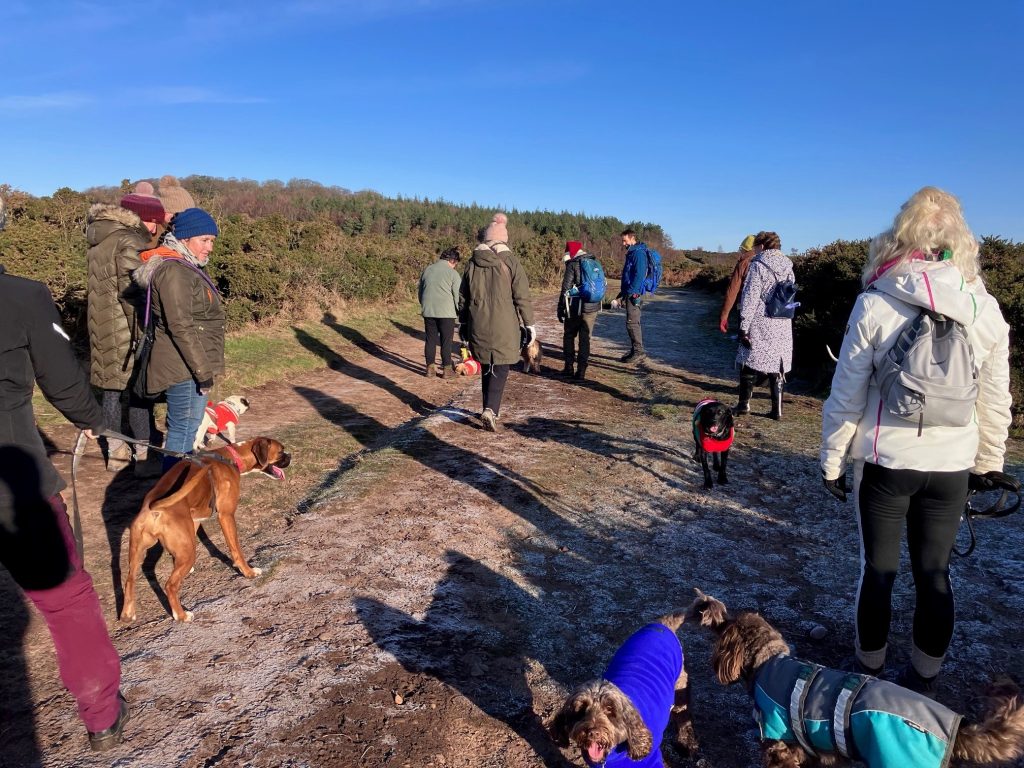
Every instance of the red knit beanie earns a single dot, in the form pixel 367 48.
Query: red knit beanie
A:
pixel 573 247
pixel 148 208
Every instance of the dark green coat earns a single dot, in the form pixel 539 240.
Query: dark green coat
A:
pixel 115 236
pixel 189 319
pixel 495 303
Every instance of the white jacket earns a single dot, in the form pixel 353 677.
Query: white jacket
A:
pixel 855 420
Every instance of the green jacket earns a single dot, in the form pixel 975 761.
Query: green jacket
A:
pixel 495 303
pixel 115 236
pixel 439 290
pixel 189 317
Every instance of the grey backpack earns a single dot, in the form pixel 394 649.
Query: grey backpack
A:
pixel 929 375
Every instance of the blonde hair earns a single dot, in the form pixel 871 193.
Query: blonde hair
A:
pixel 930 221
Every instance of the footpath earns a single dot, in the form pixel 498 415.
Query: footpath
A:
pixel 430 591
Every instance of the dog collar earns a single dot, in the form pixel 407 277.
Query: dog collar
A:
pixel 235 457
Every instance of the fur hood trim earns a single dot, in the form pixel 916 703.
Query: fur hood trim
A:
pixel 114 213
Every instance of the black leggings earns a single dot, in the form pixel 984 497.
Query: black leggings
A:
pixel 439 329
pixel 493 382
pixel 931 504
pixel 140 414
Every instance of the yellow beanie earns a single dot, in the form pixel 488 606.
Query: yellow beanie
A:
pixel 747 244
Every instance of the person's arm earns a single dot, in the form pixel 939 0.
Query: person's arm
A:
pixel 993 406
pixel 845 404
pixel 568 281
pixel 455 284
pixel 636 286
pixel 521 294
pixel 464 304
pixel 732 293
pixel 174 292
pixel 423 284
pixel 57 370
pixel 751 297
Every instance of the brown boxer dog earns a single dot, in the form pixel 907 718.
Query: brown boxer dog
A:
pixel 183 498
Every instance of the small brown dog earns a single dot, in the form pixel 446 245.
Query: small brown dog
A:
pixel 810 715
pixel 532 356
pixel 183 498
pixel 620 719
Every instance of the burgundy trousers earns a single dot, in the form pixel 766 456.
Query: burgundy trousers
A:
pixel 89 666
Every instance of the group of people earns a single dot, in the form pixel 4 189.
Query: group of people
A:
pixel 145 270
pixel 911 475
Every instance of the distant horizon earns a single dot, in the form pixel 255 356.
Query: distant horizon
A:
pixel 816 121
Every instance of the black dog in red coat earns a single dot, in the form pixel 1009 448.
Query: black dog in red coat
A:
pixel 713 433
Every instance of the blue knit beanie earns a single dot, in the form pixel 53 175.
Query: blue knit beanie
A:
pixel 193 222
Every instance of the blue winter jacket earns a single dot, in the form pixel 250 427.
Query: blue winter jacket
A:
pixel 646 668
pixel 634 271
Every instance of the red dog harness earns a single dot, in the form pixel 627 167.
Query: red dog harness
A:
pixel 710 443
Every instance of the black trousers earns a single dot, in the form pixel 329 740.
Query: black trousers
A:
pixel 583 326
pixel 439 329
pixel 493 383
pixel 929 505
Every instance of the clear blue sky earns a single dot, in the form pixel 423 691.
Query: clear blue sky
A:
pixel 816 119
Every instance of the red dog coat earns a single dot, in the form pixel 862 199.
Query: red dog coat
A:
pixel 221 414
pixel 707 442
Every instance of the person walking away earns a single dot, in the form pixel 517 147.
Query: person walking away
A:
pixel 188 313
pixel 495 305
pixel 634 272
pixel 37 546
pixel 439 303
pixel 915 474
pixel 739 273
pixel 116 234
pixel 575 313
pixel 765 343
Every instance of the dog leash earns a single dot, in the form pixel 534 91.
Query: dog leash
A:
pixel 76 520
pixel 996 510
pixel 195 458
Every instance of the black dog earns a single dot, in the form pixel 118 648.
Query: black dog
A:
pixel 713 433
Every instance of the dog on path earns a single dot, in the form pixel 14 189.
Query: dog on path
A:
pixel 532 356
pixel 713 434
pixel 811 715
pixel 620 719
pixel 188 494
pixel 222 419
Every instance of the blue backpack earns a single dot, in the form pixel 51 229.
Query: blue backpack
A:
pixel 593 282
pixel 653 279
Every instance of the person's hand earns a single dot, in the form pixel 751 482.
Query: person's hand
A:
pixel 836 487
pixel 724 326
pixel 205 386
pixel 744 339
pixel 991 481
pixel 615 304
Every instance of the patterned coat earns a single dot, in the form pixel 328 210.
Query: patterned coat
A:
pixel 771 338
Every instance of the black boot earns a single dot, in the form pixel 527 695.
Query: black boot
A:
pixel 747 378
pixel 775 383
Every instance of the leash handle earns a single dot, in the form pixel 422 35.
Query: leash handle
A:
pixel 76 519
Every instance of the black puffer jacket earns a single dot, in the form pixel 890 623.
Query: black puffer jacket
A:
pixel 34 348
pixel 573 278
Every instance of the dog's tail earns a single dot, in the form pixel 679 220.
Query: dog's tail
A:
pixel 199 472
pixel 998 737
pixel 707 611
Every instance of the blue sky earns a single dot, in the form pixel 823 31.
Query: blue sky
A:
pixel 813 119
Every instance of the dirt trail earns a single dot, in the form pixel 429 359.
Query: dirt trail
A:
pixel 473 576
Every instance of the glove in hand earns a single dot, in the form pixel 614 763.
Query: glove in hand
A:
pixel 991 481
pixel 744 339
pixel 836 487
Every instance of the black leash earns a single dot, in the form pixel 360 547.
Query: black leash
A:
pixel 996 510
pixel 76 521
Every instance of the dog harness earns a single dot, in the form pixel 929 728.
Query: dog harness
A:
pixel 221 415
pixel 827 711
pixel 708 442
pixel 646 668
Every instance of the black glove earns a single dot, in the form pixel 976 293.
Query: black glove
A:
pixel 745 341
pixel 206 386
pixel 836 487
pixel 991 481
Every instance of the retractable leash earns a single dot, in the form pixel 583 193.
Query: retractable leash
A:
pixel 996 510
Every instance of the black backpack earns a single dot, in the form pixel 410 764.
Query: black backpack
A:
pixel 781 301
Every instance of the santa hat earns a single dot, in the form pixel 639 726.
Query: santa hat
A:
pixel 497 230
pixel 572 247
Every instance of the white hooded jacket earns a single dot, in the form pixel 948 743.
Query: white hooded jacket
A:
pixel 856 421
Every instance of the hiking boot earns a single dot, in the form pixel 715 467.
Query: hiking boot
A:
pixel 909 678
pixel 119 456
pixel 775 386
pixel 567 371
pixel 634 357
pixel 490 420
pixel 628 357
pixel 747 379
pixel 581 373
pixel 852 663
pixel 431 371
pixel 108 738
pixel 442 372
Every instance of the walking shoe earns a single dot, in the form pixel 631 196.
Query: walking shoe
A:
pixel 489 419
pixel 431 371
pixel 118 457
pixel 112 736
pixel 628 357
pixel 634 357
pixel 909 678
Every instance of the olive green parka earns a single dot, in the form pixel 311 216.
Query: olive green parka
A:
pixel 495 304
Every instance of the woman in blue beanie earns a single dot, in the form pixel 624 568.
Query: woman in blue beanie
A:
pixel 188 316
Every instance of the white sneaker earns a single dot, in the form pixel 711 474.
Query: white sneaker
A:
pixel 489 419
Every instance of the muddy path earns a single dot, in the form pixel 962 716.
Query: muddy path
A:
pixel 431 590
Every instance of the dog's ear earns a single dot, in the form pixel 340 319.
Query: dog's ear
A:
pixel 244 401
pixel 638 736
pixel 561 725
pixel 261 451
pixel 729 655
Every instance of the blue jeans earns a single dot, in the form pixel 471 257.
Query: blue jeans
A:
pixel 185 407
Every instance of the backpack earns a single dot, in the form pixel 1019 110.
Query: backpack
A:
pixel 929 375
pixel 592 281
pixel 781 300
pixel 653 279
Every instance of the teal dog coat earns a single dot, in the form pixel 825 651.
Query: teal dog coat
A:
pixel 859 717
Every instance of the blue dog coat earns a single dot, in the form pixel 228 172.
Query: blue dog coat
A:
pixel 859 717
pixel 646 668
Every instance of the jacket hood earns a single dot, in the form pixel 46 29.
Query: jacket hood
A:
pixel 144 274
pixel 486 254
pixel 938 287
pixel 103 219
